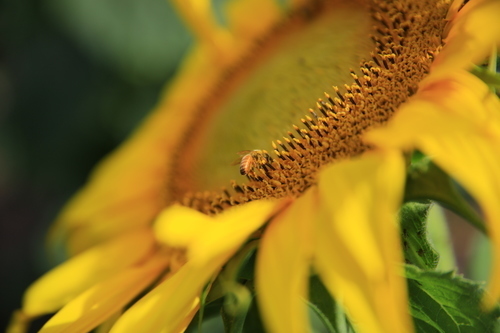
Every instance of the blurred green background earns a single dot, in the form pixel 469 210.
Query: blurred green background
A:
pixel 75 77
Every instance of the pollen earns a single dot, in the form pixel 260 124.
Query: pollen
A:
pixel 402 38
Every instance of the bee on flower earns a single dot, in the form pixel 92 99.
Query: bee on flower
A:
pixel 251 159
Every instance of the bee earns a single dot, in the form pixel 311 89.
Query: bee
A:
pixel 253 159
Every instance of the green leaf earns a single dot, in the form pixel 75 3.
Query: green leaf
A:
pixel 323 305
pixel 203 303
pixel 492 79
pixel 210 311
pixel 253 322
pixel 247 269
pixel 416 247
pixel 439 236
pixel 326 309
pixel 426 181
pixel 446 303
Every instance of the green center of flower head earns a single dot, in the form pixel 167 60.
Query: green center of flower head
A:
pixel 369 55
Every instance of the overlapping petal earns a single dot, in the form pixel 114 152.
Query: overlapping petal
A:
pixel 206 238
pixel 169 231
pixel 283 262
pixel 68 280
pixel 358 251
pixel 473 33
pixel 456 121
pixel 170 306
pixel 231 230
pixel 95 305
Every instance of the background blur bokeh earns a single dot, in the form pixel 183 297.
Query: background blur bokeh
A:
pixel 75 77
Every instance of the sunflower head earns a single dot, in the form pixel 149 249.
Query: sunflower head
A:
pixel 301 98
pixel 272 172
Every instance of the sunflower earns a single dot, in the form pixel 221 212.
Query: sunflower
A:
pixel 166 223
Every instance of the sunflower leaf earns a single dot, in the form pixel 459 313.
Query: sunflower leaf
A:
pixel 233 324
pixel 426 181
pixel 203 298
pixel 447 303
pixel 492 79
pixel 253 322
pixel 210 312
pixel 322 304
pixel 416 246
pixel 326 309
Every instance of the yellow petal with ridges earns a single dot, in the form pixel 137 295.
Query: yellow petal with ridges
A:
pixel 474 32
pixel 282 270
pixel 66 281
pixel 461 132
pixel 358 250
pixel 95 305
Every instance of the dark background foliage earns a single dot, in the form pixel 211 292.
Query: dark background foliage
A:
pixel 75 78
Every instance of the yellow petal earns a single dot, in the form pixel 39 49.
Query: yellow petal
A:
pixel 242 22
pixel 474 32
pixel 63 283
pixel 282 267
pixel 170 306
pixel 180 226
pixel 198 16
pixel 207 237
pixel 18 323
pixel 460 130
pixel 358 252
pixel 124 192
pixel 95 305
pixel 127 189
pixel 230 230
pixel 105 327
pixel 166 307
